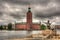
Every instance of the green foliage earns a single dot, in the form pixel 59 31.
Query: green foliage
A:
pixel 43 27
pixel 1 27
pixel 9 26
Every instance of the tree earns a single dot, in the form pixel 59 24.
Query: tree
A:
pixel 43 27
pixel 9 26
pixel 1 27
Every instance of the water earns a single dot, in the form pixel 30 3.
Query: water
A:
pixel 12 34
pixel 17 34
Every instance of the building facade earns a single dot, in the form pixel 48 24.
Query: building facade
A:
pixel 29 25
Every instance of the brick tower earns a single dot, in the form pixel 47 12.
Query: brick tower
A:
pixel 29 18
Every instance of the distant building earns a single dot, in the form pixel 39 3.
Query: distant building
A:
pixel 57 26
pixel 29 25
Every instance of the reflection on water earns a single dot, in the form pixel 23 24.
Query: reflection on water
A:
pixel 13 34
pixel 16 34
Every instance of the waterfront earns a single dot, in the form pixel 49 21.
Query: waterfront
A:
pixel 15 34
pixel 12 34
pixel 4 35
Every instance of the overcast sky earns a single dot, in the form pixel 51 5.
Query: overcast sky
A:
pixel 43 10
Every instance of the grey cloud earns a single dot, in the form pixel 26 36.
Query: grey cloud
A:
pixel 42 16
pixel 17 16
pixel 41 2
pixel 1 14
pixel 18 2
pixel 58 1
pixel 26 2
pixel 49 15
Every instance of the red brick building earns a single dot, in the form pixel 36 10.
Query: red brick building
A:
pixel 57 26
pixel 29 25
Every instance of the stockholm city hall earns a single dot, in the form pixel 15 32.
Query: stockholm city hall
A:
pixel 29 25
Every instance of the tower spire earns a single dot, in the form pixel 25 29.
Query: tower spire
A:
pixel 29 8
